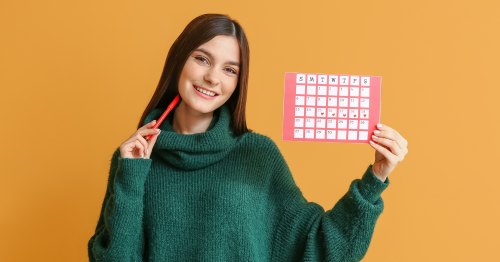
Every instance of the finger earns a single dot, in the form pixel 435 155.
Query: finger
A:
pixel 143 142
pixel 385 131
pixel 139 147
pixel 399 138
pixel 151 144
pixel 384 151
pixel 391 144
pixel 388 135
pixel 148 125
pixel 148 132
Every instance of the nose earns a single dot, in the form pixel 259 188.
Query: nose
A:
pixel 211 77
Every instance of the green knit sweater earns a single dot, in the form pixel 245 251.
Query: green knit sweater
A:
pixel 217 197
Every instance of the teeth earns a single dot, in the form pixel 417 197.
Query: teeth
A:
pixel 206 92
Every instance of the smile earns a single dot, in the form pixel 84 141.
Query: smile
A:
pixel 204 91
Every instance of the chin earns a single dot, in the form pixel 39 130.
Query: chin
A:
pixel 203 109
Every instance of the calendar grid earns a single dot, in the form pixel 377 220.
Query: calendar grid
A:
pixel 330 108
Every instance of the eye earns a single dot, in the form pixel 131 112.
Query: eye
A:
pixel 201 59
pixel 231 70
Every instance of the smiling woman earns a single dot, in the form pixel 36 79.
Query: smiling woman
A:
pixel 208 79
pixel 205 188
pixel 215 42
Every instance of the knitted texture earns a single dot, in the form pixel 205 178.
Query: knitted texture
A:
pixel 217 197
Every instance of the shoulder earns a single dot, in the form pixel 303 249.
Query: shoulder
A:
pixel 259 141
pixel 261 148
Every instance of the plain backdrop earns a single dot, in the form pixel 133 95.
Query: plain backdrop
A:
pixel 75 77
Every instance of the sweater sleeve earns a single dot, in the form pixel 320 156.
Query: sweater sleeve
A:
pixel 305 232
pixel 119 232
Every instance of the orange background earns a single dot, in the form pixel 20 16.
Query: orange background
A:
pixel 76 75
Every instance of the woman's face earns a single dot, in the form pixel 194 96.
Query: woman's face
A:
pixel 210 74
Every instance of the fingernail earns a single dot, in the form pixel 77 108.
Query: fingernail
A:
pixel 376 132
pixel 157 130
pixel 379 125
pixel 374 136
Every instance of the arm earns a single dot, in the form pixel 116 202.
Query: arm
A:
pixel 119 232
pixel 305 232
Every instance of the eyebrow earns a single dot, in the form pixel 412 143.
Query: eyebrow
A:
pixel 212 57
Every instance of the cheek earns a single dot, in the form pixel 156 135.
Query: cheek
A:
pixel 188 71
pixel 231 86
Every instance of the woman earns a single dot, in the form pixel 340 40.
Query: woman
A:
pixel 206 188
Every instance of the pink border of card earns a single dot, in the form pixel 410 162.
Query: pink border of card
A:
pixel 289 108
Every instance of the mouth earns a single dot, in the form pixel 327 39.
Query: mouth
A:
pixel 205 91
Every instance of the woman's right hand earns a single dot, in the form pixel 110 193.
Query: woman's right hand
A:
pixel 137 146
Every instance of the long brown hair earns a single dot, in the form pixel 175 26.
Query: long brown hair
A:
pixel 199 31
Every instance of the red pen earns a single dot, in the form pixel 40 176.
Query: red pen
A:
pixel 164 115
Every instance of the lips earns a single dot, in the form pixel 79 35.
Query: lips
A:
pixel 205 91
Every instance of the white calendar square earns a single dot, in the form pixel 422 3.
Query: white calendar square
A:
pixel 298 133
pixel 320 134
pixel 310 122
pixel 332 101
pixel 300 90
pixel 364 102
pixel 342 124
pixel 331 123
pixel 363 135
pixel 300 79
pixel 343 112
pixel 344 80
pixel 321 112
pixel 352 135
pixel 330 134
pixel 365 92
pixel 354 91
pixel 344 91
pixel 299 122
pixel 299 100
pixel 354 80
pixel 365 81
pixel 353 102
pixel 310 111
pixel 353 113
pixel 311 90
pixel 343 101
pixel 364 113
pixel 320 123
pixel 363 124
pixel 330 107
pixel 311 100
pixel 333 90
pixel 322 79
pixel 299 111
pixel 332 112
pixel 309 133
pixel 341 135
pixel 311 79
pixel 321 101
pixel 333 80
pixel 322 90
pixel 353 124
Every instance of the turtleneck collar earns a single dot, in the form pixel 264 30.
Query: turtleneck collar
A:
pixel 194 151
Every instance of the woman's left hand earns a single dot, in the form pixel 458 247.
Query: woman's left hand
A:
pixel 391 148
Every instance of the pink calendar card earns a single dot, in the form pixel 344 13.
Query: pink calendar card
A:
pixel 330 108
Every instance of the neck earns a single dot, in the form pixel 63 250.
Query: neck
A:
pixel 188 121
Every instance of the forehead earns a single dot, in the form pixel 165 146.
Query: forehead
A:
pixel 223 48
